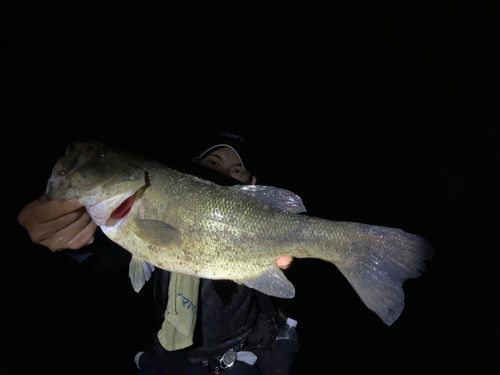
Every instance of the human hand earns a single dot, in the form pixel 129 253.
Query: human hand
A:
pixel 58 224
pixel 285 262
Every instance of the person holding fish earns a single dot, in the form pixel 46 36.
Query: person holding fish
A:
pixel 233 318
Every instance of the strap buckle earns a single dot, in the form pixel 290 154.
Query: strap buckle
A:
pixel 229 357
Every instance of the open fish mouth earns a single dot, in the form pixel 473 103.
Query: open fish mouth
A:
pixel 112 210
pixel 123 209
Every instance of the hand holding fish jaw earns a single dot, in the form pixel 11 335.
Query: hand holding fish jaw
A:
pixel 57 224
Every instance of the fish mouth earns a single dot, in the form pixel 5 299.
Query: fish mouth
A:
pixel 123 209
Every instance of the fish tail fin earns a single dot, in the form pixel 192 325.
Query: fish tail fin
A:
pixel 382 259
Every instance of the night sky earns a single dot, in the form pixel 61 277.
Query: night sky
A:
pixel 384 113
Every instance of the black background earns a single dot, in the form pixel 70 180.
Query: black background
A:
pixel 376 112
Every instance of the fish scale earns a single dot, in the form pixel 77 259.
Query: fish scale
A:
pixel 184 224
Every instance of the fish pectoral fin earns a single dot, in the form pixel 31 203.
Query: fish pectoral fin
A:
pixel 273 282
pixel 157 232
pixel 139 272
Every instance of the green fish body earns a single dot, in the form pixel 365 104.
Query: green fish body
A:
pixel 184 224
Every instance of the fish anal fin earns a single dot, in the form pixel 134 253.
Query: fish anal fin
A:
pixel 157 232
pixel 273 282
pixel 139 272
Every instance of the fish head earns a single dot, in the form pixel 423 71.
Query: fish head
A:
pixel 100 178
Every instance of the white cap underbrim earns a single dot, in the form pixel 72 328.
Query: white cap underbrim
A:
pixel 223 145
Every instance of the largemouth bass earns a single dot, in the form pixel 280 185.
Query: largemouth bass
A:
pixel 184 224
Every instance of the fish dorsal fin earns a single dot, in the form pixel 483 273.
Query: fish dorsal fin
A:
pixel 139 272
pixel 273 282
pixel 157 233
pixel 279 199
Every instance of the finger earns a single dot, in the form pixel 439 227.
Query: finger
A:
pixel 41 231
pixel 285 262
pixel 45 210
pixel 84 238
pixel 27 213
pixel 63 238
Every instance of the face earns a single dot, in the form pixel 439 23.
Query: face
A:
pixel 224 160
